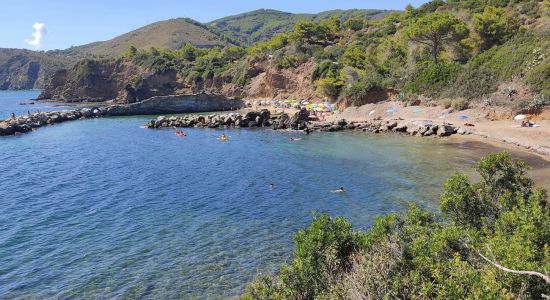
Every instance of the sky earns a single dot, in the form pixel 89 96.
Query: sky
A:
pixel 59 24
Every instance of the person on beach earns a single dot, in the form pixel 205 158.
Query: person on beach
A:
pixel 13 115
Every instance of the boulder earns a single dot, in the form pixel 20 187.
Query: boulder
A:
pixel 445 130
pixel 300 117
pixel 6 129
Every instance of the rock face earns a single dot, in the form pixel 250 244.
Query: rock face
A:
pixel 123 82
pixel 25 69
pixel 176 104
pixel 92 81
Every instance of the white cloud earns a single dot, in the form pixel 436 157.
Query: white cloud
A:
pixel 40 31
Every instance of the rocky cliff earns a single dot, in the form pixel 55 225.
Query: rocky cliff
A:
pixel 122 82
pixel 25 69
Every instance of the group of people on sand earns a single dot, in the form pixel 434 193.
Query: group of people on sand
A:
pixel 527 123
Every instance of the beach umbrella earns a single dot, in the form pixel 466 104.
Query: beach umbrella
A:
pixel 520 117
pixel 463 117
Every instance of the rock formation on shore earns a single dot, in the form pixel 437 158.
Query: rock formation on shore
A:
pixel 27 123
pixel 300 121
pixel 155 105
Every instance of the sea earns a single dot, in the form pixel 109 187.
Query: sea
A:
pixel 103 208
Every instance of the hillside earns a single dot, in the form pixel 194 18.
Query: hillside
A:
pixel 171 34
pixel 26 69
pixel 485 55
pixel 263 24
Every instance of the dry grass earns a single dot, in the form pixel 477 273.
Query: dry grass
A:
pixel 171 34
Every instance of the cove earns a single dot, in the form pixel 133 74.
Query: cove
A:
pixel 104 208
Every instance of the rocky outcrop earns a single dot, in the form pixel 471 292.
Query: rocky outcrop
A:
pixel 251 119
pixel 25 69
pixel 299 121
pixel 176 104
pixel 155 105
pixel 123 82
pixel 92 81
pixel 270 82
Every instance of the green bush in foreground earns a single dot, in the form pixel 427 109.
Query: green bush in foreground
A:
pixel 496 223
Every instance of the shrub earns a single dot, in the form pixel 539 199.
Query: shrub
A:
pixel 417 257
pixel 358 91
pixel 329 87
pixel 321 250
pixel 326 68
pixel 538 77
pixel 460 104
pixel 446 102
pixel 534 105
pixel 494 26
pixel 429 78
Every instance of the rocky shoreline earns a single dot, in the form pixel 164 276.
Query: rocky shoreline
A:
pixel 27 123
pixel 300 121
pixel 156 105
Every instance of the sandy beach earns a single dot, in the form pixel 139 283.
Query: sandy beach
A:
pixel 489 125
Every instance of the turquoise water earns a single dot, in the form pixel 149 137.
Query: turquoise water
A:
pixel 103 208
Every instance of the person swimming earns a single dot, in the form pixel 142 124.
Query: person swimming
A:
pixel 295 139
pixel 340 190
pixel 223 137
pixel 180 133
pixel 271 186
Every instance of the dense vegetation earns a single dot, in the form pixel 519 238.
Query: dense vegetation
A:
pixel 459 50
pixel 496 223
pixel 260 25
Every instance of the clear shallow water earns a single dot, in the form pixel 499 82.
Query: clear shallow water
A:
pixel 103 208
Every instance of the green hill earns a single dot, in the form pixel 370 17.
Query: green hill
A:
pixel 263 24
pixel 172 34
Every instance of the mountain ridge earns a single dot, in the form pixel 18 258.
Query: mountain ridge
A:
pixel 27 69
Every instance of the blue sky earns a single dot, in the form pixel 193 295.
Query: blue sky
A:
pixel 77 22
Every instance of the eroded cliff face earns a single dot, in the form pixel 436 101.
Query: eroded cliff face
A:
pixel 20 73
pixel 92 81
pixel 122 82
pixel 26 69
